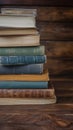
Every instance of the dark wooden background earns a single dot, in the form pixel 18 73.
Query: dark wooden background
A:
pixel 55 23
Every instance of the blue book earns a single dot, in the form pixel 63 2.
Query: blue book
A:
pixel 23 85
pixel 21 69
pixel 22 60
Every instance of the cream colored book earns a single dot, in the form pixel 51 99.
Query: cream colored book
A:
pixel 17 31
pixel 26 40
pixel 11 21
pixel 19 11
pixel 24 101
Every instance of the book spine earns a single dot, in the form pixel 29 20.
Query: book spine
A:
pixel 9 21
pixel 17 51
pixel 19 11
pixel 17 41
pixel 23 85
pixel 22 69
pixel 22 60
pixel 26 93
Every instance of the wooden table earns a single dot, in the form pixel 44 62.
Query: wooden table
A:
pixel 38 117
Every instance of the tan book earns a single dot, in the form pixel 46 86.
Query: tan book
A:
pixel 19 11
pixel 25 77
pixel 26 40
pixel 16 31
pixel 21 101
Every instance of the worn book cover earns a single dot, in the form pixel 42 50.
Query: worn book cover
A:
pixel 18 21
pixel 22 60
pixel 24 40
pixel 24 51
pixel 22 69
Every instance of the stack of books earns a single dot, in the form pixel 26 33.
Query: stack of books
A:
pixel 23 79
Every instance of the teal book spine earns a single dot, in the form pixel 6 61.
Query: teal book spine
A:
pixel 22 60
pixel 23 85
pixel 23 51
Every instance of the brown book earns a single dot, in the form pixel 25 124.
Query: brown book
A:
pixel 27 93
pixel 26 77
pixel 17 31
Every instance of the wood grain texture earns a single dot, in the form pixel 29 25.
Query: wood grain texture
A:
pixel 55 31
pixel 58 49
pixel 55 14
pixel 58 66
pixel 64 89
pixel 37 2
pixel 38 117
pixel 59 57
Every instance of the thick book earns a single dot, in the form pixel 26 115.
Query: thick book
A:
pixel 17 31
pixel 17 51
pixel 22 60
pixel 24 101
pixel 27 93
pixel 23 84
pixel 19 11
pixel 17 21
pixel 22 69
pixel 24 40
pixel 26 77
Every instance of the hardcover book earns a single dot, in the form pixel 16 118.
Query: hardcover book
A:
pixel 17 21
pixel 24 51
pixel 19 11
pixel 22 69
pixel 26 40
pixel 27 93
pixel 22 60
pixel 23 84
pixel 21 101
pixel 17 31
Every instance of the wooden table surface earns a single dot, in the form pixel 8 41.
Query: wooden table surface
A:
pixel 37 117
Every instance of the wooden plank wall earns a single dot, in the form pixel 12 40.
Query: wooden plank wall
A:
pixel 56 28
pixel 38 2
pixel 55 24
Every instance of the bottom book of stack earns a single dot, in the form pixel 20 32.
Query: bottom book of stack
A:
pixel 34 90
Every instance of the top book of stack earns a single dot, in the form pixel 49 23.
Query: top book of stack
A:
pixel 18 27
pixel 17 18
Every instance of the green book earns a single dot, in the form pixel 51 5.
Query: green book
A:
pixel 17 51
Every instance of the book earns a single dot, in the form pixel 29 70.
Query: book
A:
pixel 22 60
pixel 17 31
pixel 26 40
pixel 21 101
pixel 17 21
pixel 19 11
pixel 17 51
pixel 23 84
pixel 26 77
pixel 21 69
pixel 27 93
